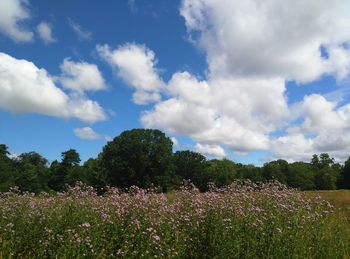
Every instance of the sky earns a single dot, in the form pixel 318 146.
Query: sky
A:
pixel 250 81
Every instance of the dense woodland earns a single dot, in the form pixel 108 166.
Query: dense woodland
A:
pixel 144 157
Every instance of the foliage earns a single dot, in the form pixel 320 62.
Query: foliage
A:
pixel 31 172
pixel 7 178
pixel 301 175
pixel 221 172
pixel 344 178
pixel 250 172
pixel 327 172
pixel 144 157
pixel 191 165
pixel 67 171
pixel 141 157
pixel 276 170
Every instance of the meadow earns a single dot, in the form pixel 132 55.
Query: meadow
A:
pixel 243 220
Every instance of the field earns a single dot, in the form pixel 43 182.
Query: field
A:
pixel 244 220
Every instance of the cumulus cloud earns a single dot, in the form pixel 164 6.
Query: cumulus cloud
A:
pixel 81 76
pixel 252 49
pixel 26 88
pixel 228 112
pixel 324 128
pixel 135 65
pixel 13 14
pixel 271 38
pixel 86 133
pixel 45 32
pixel 292 147
pixel 210 150
pixel 82 33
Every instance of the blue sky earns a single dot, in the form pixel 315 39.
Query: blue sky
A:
pixel 250 81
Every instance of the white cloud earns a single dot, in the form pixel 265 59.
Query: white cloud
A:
pixel 108 138
pixel 45 32
pixel 135 65
pixel 26 88
pixel 13 14
pixel 324 128
pixel 271 38
pixel 321 115
pixel 175 141
pixel 252 48
pixel 292 147
pixel 210 150
pixel 339 61
pixel 143 97
pixel 298 146
pixel 86 133
pixel 81 76
pixel 84 109
pixel 82 33
pixel 229 112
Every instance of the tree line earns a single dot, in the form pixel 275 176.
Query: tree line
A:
pixel 144 157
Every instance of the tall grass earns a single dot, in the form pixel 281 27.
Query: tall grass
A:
pixel 239 221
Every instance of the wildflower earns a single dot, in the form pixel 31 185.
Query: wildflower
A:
pixel 156 237
pixel 85 225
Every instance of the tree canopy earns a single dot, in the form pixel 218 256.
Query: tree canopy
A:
pixel 141 157
pixel 144 157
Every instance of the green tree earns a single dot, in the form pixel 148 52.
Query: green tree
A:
pixel 95 176
pixel 70 158
pixel 190 165
pixel 326 172
pixel 68 171
pixel 7 177
pixel 276 170
pixel 141 157
pixel 301 175
pixel 250 172
pixel 344 179
pixel 32 172
pixel 221 172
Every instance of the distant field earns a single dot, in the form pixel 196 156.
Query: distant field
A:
pixel 240 221
pixel 339 198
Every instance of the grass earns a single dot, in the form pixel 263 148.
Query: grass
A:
pixel 240 221
pixel 339 198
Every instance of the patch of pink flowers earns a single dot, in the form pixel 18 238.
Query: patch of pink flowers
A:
pixel 243 219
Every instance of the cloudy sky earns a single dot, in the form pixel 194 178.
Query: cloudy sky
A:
pixel 248 80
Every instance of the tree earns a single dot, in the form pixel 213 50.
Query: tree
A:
pixel 7 178
pixel 31 172
pixel 276 170
pixel 315 161
pixel 70 158
pixel 190 165
pixel 250 172
pixel 68 171
pixel 344 181
pixel 95 176
pixel 326 172
pixel 221 172
pixel 141 157
pixel 301 175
